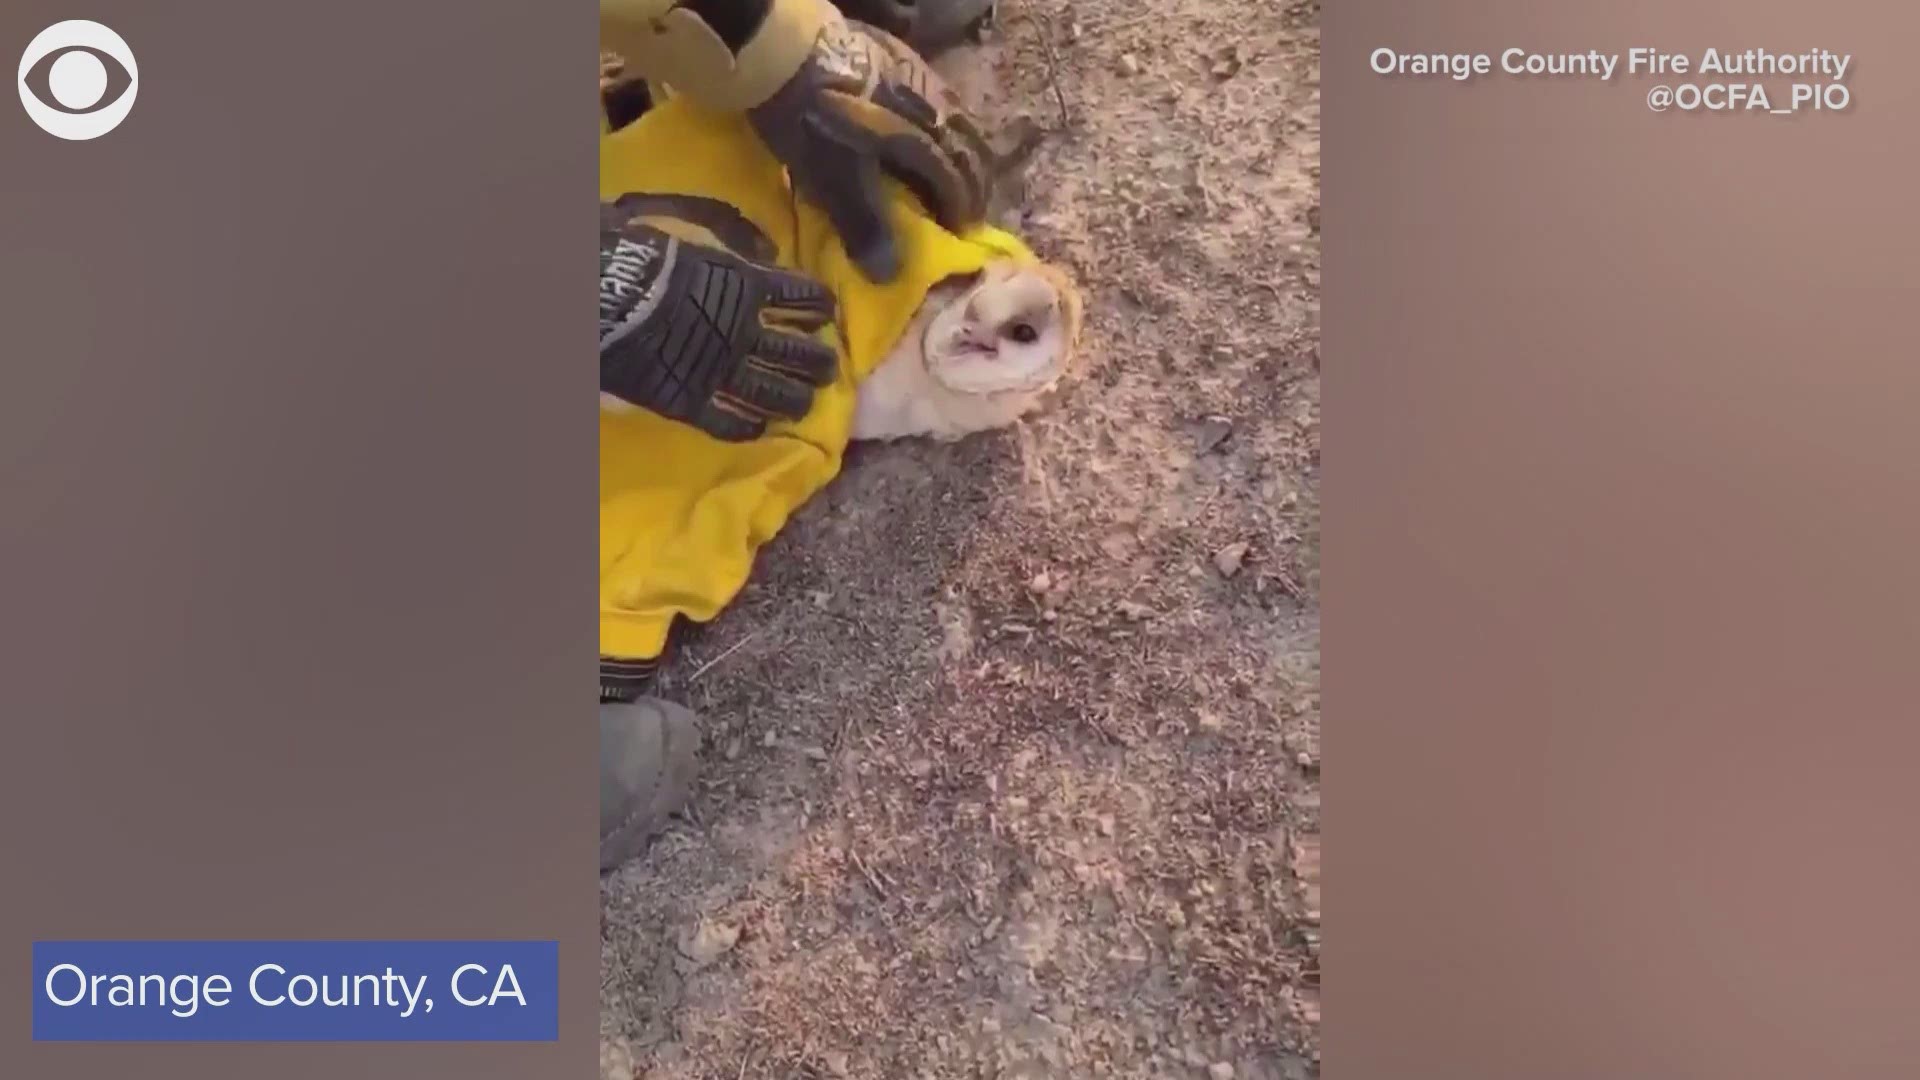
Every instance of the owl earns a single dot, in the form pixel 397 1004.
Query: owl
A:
pixel 981 352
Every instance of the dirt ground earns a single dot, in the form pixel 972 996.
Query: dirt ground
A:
pixel 1013 745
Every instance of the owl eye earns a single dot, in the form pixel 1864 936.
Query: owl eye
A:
pixel 1024 333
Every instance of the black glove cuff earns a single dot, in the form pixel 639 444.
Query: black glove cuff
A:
pixel 624 680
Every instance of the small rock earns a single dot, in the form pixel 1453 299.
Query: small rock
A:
pixel 733 749
pixel 815 753
pixel 835 1061
pixel 616 1060
pixel 1220 1070
pixel 709 942
pixel 1136 612
pixel 770 740
pixel 1228 559
pixel 1210 433
pixel 1041 582
pixel 1129 64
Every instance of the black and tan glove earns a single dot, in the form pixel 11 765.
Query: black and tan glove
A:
pixel 696 325
pixel 839 103
pixel 864 105
pixel 930 26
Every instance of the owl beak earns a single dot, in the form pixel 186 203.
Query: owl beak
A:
pixel 974 338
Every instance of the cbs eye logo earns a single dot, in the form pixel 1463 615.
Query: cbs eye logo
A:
pixel 78 80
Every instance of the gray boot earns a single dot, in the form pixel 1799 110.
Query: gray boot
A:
pixel 649 757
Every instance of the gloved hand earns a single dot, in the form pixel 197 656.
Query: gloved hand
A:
pixel 694 331
pixel 840 104
pixel 930 26
pixel 862 104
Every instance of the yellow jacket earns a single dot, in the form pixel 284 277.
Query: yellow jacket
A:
pixel 682 513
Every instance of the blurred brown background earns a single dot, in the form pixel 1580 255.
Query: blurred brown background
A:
pixel 296 534
pixel 1620 515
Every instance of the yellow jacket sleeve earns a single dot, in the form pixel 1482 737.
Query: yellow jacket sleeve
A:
pixel 682 514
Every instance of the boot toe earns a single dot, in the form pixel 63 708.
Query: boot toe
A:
pixel 649 759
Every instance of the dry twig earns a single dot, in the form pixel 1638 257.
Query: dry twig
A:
pixel 1053 60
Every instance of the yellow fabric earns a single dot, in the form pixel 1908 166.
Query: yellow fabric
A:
pixel 681 513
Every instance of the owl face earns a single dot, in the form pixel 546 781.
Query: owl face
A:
pixel 1012 327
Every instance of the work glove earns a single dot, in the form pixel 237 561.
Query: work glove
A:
pixel 930 26
pixel 841 104
pixel 701 330
pixel 864 105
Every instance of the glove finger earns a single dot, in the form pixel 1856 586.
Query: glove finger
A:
pixel 950 185
pixel 856 205
pixel 913 91
pixel 768 392
pixel 969 158
pixel 907 93
pixel 805 358
pixel 965 137
pixel 963 149
pixel 729 422
pixel 710 222
pixel 797 301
